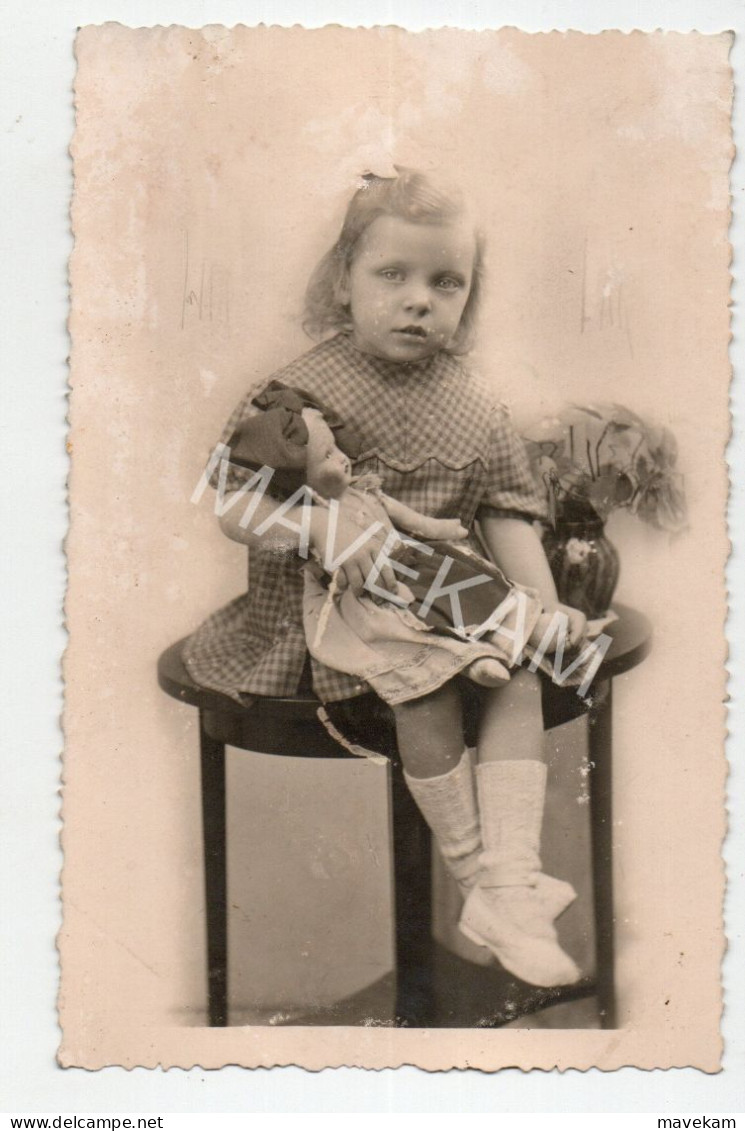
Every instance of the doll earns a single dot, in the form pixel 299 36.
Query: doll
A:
pixel 455 612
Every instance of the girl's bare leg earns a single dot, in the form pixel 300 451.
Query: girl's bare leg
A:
pixel 430 733
pixel 512 721
pixel 430 730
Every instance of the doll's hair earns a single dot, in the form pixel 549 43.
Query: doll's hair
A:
pixel 412 196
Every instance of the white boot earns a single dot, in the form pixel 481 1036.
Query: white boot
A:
pixel 513 908
pixel 448 805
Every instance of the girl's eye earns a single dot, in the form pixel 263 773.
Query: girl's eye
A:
pixel 392 274
pixel 448 283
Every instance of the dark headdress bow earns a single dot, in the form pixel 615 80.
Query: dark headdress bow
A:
pixel 277 437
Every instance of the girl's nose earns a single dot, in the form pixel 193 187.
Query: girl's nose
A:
pixel 418 299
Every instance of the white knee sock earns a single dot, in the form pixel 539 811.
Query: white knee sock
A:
pixel 511 797
pixel 448 805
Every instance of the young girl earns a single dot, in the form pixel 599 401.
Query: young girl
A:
pixel 400 289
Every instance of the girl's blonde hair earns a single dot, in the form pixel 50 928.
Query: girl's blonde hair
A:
pixel 409 195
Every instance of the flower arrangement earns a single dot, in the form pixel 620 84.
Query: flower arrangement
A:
pixel 595 459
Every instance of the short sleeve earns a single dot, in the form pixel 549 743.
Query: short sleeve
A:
pixel 511 487
pixel 236 476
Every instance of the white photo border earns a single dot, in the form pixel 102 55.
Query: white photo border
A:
pixel 38 124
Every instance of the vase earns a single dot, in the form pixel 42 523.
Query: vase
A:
pixel 584 564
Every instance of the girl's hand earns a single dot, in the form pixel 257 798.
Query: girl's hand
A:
pixel 358 566
pixel 575 624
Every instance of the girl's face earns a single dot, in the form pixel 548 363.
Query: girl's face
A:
pixel 407 287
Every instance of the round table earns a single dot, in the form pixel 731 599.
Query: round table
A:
pixel 425 972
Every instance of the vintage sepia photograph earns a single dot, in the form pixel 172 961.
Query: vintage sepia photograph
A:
pixel 394 724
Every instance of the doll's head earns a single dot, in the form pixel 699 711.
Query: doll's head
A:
pixel 404 275
pixel 302 440
pixel 327 470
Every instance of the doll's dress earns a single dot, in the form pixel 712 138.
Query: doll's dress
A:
pixel 400 654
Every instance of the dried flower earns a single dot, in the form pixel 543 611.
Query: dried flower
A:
pixel 595 459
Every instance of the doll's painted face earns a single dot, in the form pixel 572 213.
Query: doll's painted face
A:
pixel 329 471
pixel 408 285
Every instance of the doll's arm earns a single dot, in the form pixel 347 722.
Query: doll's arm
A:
pixel 423 525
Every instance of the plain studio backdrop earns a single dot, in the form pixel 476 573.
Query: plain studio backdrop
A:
pixel 212 169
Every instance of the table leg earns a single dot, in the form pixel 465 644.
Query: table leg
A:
pixel 601 824
pixel 215 878
pixel 412 865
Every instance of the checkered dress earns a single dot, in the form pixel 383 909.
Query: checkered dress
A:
pixel 440 443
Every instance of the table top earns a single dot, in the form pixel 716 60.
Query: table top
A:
pixel 631 637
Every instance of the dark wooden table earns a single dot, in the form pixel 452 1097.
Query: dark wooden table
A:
pixel 433 987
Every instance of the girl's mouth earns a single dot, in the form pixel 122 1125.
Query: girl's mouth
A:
pixel 413 331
